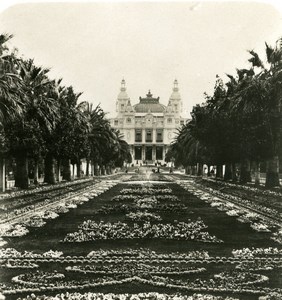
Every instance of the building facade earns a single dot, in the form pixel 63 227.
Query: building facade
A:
pixel 148 127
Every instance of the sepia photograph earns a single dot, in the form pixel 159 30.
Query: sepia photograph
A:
pixel 140 150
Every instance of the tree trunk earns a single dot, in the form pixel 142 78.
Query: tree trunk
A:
pixel 234 172
pixel 272 172
pixel 193 170
pixel 219 171
pixel 73 175
pixel 21 176
pixel 2 175
pixel 35 175
pixel 189 170
pixel 66 170
pixel 209 171
pixel 87 167
pixel 102 167
pixel 257 173
pixel 245 171
pixel 78 168
pixel 199 169
pixel 96 169
pixel 58 170
pixel 228 171
pixel 49 169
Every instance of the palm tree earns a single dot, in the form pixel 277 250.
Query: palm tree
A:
pixel 10 97
pixel 261 96
pixel 100 138
pixel 26 132
pixel 121 151
pixel 274 58
pixel 187 150
pixel 69 138
pixel 40 106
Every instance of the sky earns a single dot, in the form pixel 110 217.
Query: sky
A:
pixel 94 45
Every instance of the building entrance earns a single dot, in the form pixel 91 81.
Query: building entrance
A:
pixel 159 153
pixel 148 153
pixel 138 152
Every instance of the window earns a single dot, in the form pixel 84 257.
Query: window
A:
pixel 169 120
pixel 116 122
pixel 159 136
pixel 182 122
pixel 122 106
pixel 175 107
pixel 128 120
pixel 138 135
pixel 148 135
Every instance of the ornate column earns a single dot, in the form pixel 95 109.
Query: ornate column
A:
pixel 143 135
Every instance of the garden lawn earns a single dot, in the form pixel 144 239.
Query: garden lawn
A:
pixel 143 237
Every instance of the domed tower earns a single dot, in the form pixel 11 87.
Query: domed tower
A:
pixel 175 102
pixel 123 101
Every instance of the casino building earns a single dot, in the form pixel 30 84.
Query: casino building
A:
pixel 148 126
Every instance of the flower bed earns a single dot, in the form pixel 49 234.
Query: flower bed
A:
pixel 149 202
pixel 68 199
pixel 92 231
pixel 242 208
pixel 257 252
pixel 130 268
pixel 149 254
pixel 127 208
pixel 18 264
pixel 262 207
pixel 140 296
pixel 146 190
pixel 143 216
pixel 132 197
pixel 124 266
pixel 34 222
pixel 259 265
pixel 254 190
pixel 233 281
pixel 13 230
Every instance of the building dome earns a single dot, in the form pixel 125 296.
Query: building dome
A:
pixel 123 94
pixel 149 105
pixel 145 108
pixel 175 92
pixel 175 96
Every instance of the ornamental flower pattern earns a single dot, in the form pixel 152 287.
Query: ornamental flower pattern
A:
pixel 205 274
